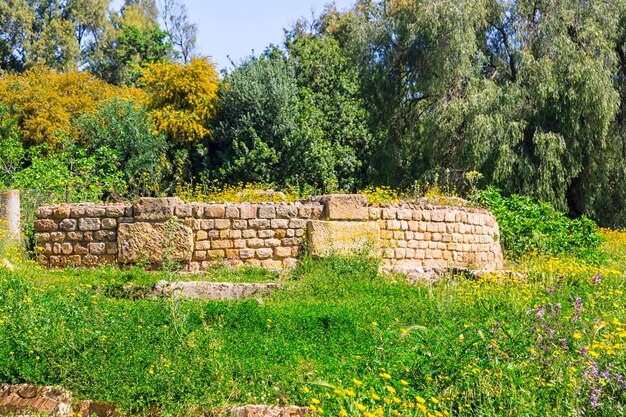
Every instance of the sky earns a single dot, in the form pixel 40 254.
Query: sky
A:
pixel 236 28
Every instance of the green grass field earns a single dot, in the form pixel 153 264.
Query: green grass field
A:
pixel 339 338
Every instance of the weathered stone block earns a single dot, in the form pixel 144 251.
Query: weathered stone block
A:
pixel 247 211
pixel 115 211
pixel 61 212
pixel 279 223
pixel 264 253
pixel 89 224
pixel 231 212
pixel 151 242
pixel 345 207
pixel 155 209
pixel 97 248
pixel 43 212
pixel 184 210
pixel 286 212
pixel 109 223
pixel 259 224
pixel 345 238
pixel 45 225
pixel 95 211
pixel 267 212
pixel 214 211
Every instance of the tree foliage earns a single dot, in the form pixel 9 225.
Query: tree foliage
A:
pixel 528 93
pixel 122 130
pixel 182 98
pixel 45 102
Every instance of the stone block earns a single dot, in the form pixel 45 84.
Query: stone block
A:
pixel 109 223
pixel 222 224
pixel 214 211
pixel 231 212
pixel 184 210
pixel 304 212
pixel 247 211
pixel 57 236
pixel 345 238
pixel 75 236
pixel 155 209
pixel 45 225
pixel 67 248
pixel 264 253
pixel 151 242
pixel 42 237
pixel 282 252
pixel 279 223
pixel 61 212
pixel 68 225
pixel 267 212
pixel 246 253
pixel 89 224
pixel 286 212
pixel 115 211
pixel 259 224
pixel 345 207
pixel 43 212
pixel 95 211
pixel 271 264
pixel 240 224
pixel 264 234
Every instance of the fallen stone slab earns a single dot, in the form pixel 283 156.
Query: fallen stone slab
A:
pixel 419 274
pixel 208 290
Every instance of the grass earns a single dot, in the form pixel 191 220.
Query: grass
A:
pixel 339 338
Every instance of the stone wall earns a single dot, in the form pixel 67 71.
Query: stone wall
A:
pixel 269 235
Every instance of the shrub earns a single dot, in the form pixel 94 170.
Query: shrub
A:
pixel 122 131
pixel 529 226
pixel 45 102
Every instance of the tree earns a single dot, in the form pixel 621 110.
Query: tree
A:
pixel 132 48
pixel 64 35
pixel 270 129
pixel 181 32
pixel 182 98
pixel 526 92
pixel 332 104
pixel 45 102
pixel 122 131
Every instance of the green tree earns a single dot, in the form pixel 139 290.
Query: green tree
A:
pixel 332 105
pixel 132 48
pixel 283 120
pixel 63 35
pixel 122 130
pixel 526 92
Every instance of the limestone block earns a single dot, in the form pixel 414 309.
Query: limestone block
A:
pixel 345 207
pixel 95 211
pixel 214 211
pixel 207 290
pixel 155 209
pixel 286 212
pixel 45 225
pixel 115 211
pixel 89 224
pixel 345 238
pixel 150 242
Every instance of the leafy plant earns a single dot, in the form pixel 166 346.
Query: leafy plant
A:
pixel 122 131
pixel 528 226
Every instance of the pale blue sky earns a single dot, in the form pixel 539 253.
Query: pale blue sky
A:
pixel 237 27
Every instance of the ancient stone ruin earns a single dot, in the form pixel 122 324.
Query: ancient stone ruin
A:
pixel 270 235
